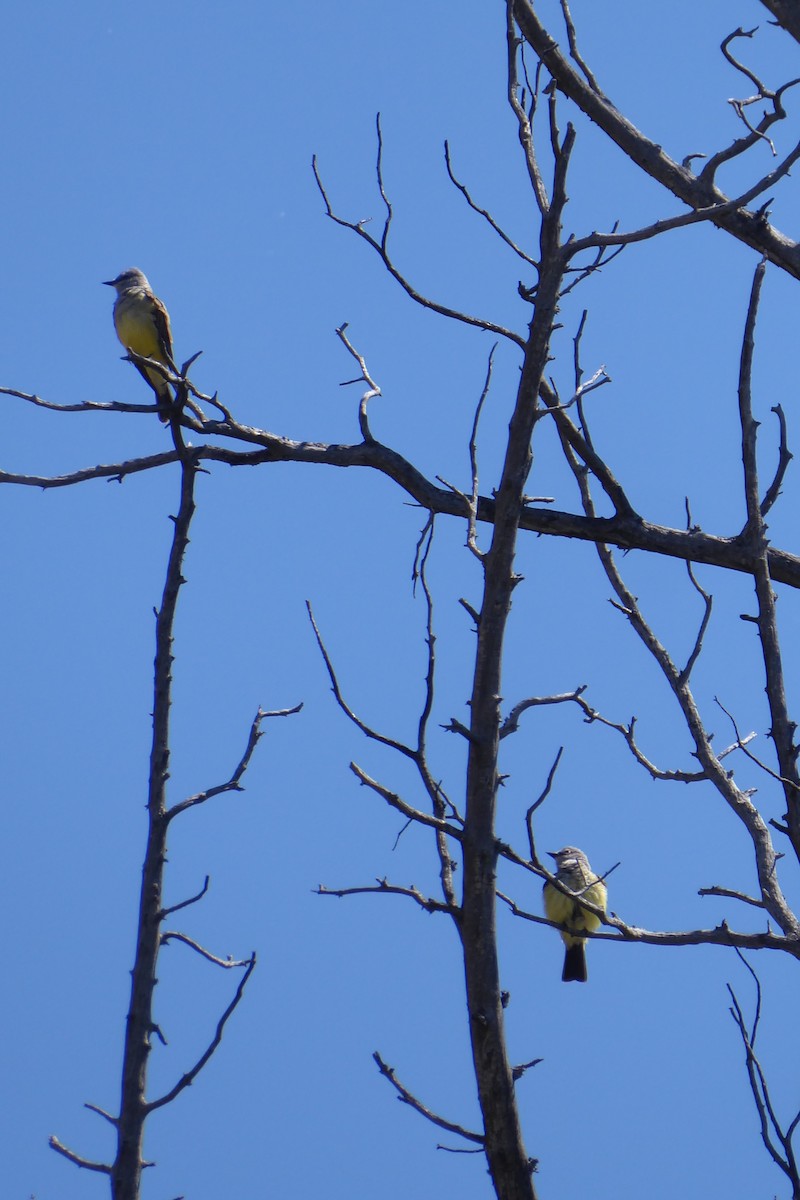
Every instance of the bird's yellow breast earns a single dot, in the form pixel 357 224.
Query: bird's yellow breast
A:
pixel 566 911
pixel 557 906
pixel 137 331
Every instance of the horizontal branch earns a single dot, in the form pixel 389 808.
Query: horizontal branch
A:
pixel 115 406
pixel 383 888
pixel 730 894
pixel 172 935
pixel 627 532
pixel 86 1163
pixel 511 723
pixel 722 935
pixel 112 471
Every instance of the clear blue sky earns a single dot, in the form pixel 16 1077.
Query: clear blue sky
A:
pixel 178 138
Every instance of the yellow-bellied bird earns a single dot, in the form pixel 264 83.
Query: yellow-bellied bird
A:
pixel 142 325
pixel 573 870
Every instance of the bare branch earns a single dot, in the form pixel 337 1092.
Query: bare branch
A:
pixel 101 1112
pixel 537 804
pixel 524 119
pixel 414 814
pixel 407 1098
pixel 166 912
pixel 771 1131
pixel 511 723
pixel 367 730
pixel 784 458
pixel 365 377
pixel 384 888
pixel 573 47
pixel 628 532
pixel 172 935
pixel 628 732
pixel 140 1024
pixel 190 1076
pixel 763 93
pixel 721 935
pixel 482 212
pixel 730 894
pixel 581 445
pixel 440 802
pixel 113 471
pixel 707 607
pixel 751 228
pixel 472 542
pixel 518 1071
pixel 741 744
pixel 234 783
pixel 783 728
pixel 86 1163
pixel 738 801
pixel 380 246
pixel 114 406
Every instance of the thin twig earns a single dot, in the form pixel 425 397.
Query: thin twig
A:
pixel 573 47
pixel 537 804
pixel 482 212
pixel 101 1112
pixel 524 119
pixel 381 248
pixel 172 935
pixel 414 814
pixel 190 1076
pixel 383 888
pixel 784 458
pixel 372 389
pixel 407 1098
pixel 707 608
pixel 173 908
pixel 234 783
pixel 730 894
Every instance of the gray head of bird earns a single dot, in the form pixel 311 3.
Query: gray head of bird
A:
pixel 567 857
pixel 131 277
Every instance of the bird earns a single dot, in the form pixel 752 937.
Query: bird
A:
pixel 574 872
pixel 142 324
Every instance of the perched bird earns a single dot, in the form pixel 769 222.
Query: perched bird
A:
pixel 573 870
pixel 142 325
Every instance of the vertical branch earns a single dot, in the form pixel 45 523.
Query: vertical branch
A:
pixel 127 1168
pixel 509 1165
pixel 714 770
pixel 432 787
pixel 524 124
pixel 782 728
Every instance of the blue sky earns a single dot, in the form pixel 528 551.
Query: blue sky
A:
pixel 178 138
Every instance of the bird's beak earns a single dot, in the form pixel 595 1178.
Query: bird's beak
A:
pixel 552 855
pixel 107 282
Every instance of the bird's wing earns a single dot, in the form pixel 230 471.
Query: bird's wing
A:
pixel 163 330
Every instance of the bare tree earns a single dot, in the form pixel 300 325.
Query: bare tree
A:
pixel 125 1171
pixel 549 83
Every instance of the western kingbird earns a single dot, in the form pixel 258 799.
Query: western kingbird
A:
pixel 142 325
pixel 573 870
